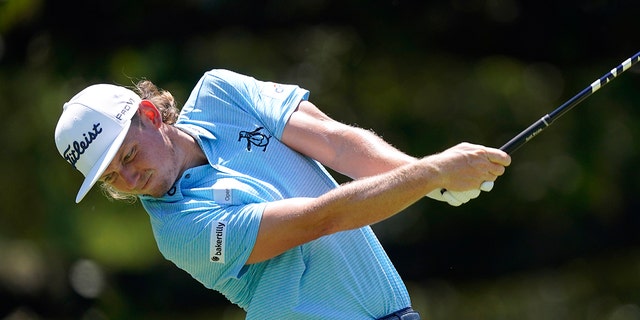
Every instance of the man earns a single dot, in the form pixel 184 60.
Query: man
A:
pixel 238 196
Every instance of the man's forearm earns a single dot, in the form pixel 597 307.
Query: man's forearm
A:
pixel 350 206
pixel 375 198
pixel 361 153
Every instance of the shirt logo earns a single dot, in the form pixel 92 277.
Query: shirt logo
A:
pixel 77 148
pixel 223 196
pixel 218 241
pixel 255 138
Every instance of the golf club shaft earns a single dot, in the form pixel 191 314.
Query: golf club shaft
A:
pixel 535 128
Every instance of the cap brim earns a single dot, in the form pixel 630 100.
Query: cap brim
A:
pixel 102 163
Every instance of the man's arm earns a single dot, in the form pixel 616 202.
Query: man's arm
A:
pixel 352 151
pixel 387 181
pixel 292 222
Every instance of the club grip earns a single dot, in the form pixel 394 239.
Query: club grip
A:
pixel 526 135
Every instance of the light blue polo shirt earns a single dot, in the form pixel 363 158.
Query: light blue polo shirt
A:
pixel 208 222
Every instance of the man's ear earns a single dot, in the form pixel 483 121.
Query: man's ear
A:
pixel 148 110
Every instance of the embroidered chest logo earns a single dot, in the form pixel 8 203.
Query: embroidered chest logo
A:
pixel 255 138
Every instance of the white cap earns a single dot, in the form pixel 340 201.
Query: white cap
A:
pixel 92 127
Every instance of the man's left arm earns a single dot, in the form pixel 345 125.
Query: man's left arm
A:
pixel 352 151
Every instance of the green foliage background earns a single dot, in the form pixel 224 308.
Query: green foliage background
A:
pixel 555 239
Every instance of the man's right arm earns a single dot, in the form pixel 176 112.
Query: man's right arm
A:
pixel 291 222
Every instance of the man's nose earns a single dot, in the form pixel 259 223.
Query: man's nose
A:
pixel 129 176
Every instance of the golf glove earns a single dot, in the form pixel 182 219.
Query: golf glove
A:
pixel 457 198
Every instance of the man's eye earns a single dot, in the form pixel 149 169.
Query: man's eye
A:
pixel 129 155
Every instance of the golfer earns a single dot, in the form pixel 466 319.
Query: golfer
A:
pixel 238 195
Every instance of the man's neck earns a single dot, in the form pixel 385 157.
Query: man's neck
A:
pixel 191 153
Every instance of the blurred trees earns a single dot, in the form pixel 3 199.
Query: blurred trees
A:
pixel 556 238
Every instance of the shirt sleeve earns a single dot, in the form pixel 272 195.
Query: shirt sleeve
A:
pixel 213 244
pixel 272 103
pixel 209 238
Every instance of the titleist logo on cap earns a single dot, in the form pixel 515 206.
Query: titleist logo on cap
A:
pixel 73 151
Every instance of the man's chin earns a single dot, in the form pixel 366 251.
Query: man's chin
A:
pixel 161 192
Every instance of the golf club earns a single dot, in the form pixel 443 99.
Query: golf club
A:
pixel 533 130
pixel 537 127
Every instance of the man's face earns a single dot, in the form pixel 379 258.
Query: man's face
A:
pixel 145 163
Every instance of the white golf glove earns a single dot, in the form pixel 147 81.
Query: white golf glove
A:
pixel 457 198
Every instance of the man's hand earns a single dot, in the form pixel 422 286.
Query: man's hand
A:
pixel 465 170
